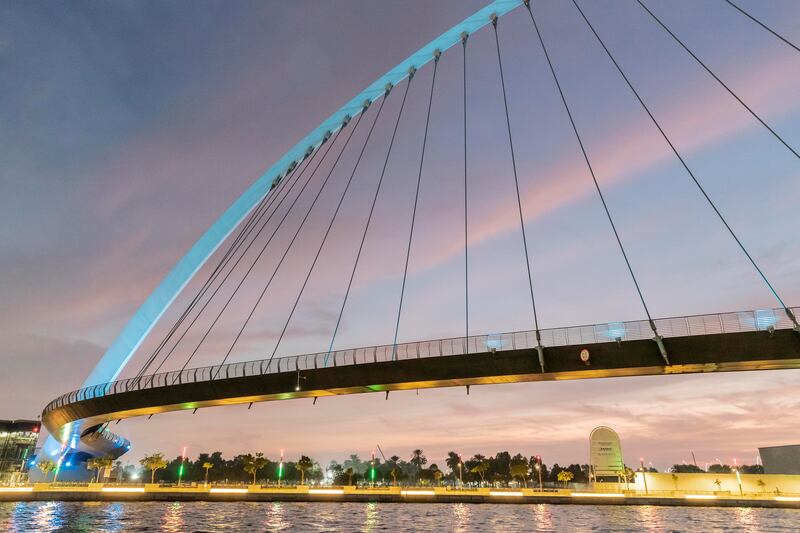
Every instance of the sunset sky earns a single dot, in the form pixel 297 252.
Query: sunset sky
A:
pixel 127 128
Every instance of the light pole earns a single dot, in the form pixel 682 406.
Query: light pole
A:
pixel 460 471
pixel 280 469
pixel 372 470
pixel 539 471
pixel 180 470
pixel 738 477
pixel 644 476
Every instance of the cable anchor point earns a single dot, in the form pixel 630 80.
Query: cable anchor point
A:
pixel 540 351
pixel 464 37
pixel 411 71
pixel 790 314
pixel 659 340
pixel 493 18
pixel 436 55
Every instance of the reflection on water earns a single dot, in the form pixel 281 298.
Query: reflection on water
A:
pixel 275 517
pixel 649 518
pixel 173 518
pixel 372 517
pixel 428 518
pixel 542 517
pixel 461 517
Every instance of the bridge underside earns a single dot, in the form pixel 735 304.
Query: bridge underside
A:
pixel 691 354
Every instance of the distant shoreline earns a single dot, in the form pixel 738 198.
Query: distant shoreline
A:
pixel 150 493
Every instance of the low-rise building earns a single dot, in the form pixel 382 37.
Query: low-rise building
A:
pixel 18 440
pixel 780 459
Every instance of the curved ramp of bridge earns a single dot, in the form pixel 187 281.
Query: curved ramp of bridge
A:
pixel 752 340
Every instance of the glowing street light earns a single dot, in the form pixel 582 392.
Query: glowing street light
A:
pixel 738 477
pixel 460 471
pixel 644 475
pixel 280 469
pixel 180 470
pixel 372 469
pixel 539 470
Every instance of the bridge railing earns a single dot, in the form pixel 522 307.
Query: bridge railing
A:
pixel 742 321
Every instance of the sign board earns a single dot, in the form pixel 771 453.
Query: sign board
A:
pixel 605 452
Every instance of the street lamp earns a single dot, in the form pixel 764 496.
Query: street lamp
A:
pixel 460 471
pixel 738 477
pixel 644 475
pixel 539 470
pixel 180 470
pixel 372 470
pixel 280 469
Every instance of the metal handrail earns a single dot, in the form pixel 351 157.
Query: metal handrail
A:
pixel 736 322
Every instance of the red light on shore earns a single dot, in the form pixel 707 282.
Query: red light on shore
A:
pixel 35 429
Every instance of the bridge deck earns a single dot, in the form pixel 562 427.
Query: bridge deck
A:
pixel 747 350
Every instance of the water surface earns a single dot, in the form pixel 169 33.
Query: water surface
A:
pixel 428 518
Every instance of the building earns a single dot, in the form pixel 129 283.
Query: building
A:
pixel 605 454
pixel 781 459
pixel 18 440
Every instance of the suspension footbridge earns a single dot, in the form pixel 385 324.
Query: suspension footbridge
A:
pixel 307 189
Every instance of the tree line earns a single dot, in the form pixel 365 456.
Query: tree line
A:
pixel 478 470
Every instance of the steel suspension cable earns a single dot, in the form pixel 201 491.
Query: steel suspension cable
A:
pixel 437 55
pixel 464 38
pixel 754 19
pixel 292 241
pixel 369 217
pixel 539 347
pixel 691 174
pixel 252 220
pixel 265 246
pixel 707 69
pixel 330 225
pixel 657 337
pixel 243 254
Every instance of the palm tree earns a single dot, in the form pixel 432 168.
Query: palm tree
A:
pixel 452 461
pixel 419 460
pixel 718 483
pixel 207 466
pixel 675 480
pixel 98 463
pixel 393 473
pixel 761 484
pixel 46 466
pixel 519 469
pixel 305 463
pixel 349 473
pixel 152 463
pixel 565 476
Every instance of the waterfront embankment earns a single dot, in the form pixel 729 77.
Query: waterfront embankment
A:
pixel 258 493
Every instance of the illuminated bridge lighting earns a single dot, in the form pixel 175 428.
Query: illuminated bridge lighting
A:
pixel 597 495
pixel 223 490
